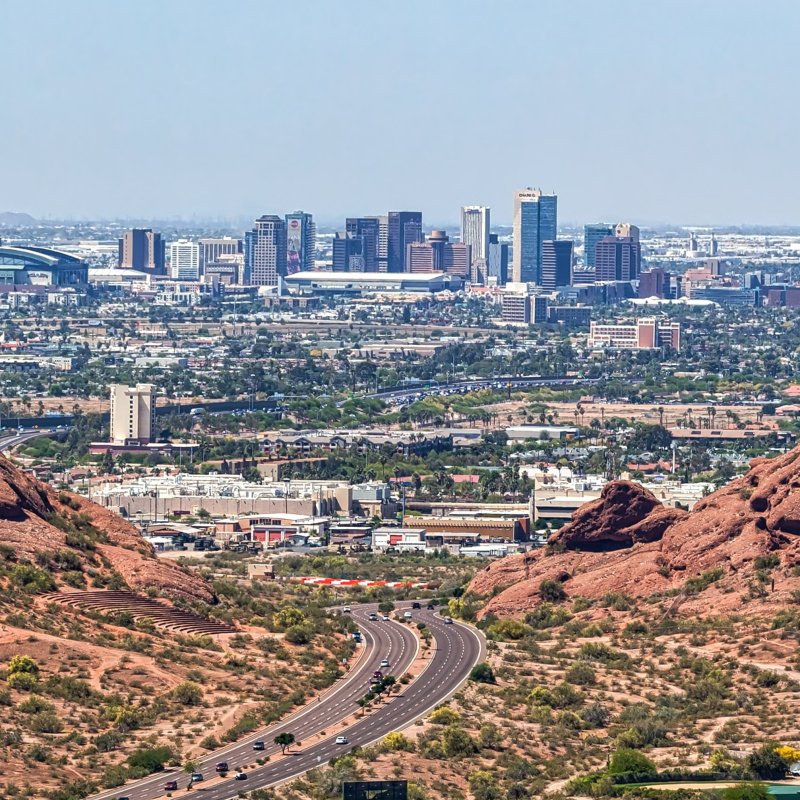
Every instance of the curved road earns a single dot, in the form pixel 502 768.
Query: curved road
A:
pixel 458 648
pixel 390 640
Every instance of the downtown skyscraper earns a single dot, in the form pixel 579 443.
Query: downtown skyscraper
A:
pixel 301 242
pixel 475 231
pixel 265 251
pixel 535 220
pixel 404 228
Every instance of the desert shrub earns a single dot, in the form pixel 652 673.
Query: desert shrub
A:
pixel 444 715
pixel 395 742
pixel 581 673
pixel 46 722
pixel 552 591
pixel 457 743
pixel 150 759
pixel 22 681
pixel 482 673
pixel 187 694
pixel 299 634
pixel 625 760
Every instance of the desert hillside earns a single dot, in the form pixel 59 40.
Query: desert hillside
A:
pixel 65 540
pixel 738 547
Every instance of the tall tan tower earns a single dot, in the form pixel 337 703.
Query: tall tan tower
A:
pixel 132 412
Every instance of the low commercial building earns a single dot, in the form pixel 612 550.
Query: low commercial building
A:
pixel 402 539
pixel 363 283
pixel 521 432
pixel 644 334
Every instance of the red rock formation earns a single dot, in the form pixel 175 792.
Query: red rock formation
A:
pixel 29 508
pixel 627 542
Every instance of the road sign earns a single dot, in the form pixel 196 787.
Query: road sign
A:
pixel 375 790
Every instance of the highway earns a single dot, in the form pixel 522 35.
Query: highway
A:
pixel 458 649
pixel 391 640
pixel 9 441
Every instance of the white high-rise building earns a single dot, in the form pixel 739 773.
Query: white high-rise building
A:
pixel 383 243
pixel 184 260
pixel 475 231
pixel 132 412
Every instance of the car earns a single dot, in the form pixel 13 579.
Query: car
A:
pixel 196 777
pixel 385 617
pixel 341 740
pixel 448 620
pixel 171 786
pixel 123 797
pixel 222 766
pixel 240 776
pixel 430 606
pixel 346 610
pixel 373 616
pixel 385 662
pixel 259 744
pixel 415 604
pixel 407 615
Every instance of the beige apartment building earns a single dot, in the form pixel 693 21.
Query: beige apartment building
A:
pixel 132 411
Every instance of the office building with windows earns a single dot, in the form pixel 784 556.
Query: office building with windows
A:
pixel 132 413
pixel 403 228
pixel 475 231
pixel 212 250
pixel 368 230
pixel 143 250
pixel 265 251
pixel 439 254
pixel 556 263
pixel 592 234
pixel 348 253
pixel 497 264
pixel 617 258
pixel 184 260
pixel 535 221
pixel 301 242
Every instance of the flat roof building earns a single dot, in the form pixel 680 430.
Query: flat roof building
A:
pixel 132 413
pixel 373 282
pixel 39 266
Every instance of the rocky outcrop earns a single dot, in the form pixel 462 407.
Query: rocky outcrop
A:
pixel 624 514
pixel 628 542
pixel 35 522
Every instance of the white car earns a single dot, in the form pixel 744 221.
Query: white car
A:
pixel 385 662
pixel 385 617
pixel 346 610
pixel 341 740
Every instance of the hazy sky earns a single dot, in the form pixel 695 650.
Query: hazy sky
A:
pixel 648 110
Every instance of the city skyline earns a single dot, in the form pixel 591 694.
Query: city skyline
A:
pixel 696 140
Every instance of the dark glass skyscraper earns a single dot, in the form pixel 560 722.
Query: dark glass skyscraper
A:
pixel 535 221
pixel 556 263
pixel 592 234
pixel 405 227
pixel 368 229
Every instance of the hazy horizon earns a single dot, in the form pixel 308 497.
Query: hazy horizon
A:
pixel 193 110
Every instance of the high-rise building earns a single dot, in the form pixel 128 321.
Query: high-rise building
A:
pixel 143 250
pixel 624 230
pixel 301 242
pixel 265 251
pixel 184 260
pixel 367 229
pixel 556 263
pixel 404 227
pixel 535 220
pixel 515 307
pixel 645 334
pixel 592 234
pixel 132 413
pixel 383 243
pixel 348 253
pixel 439 254
pixel 654 283
pixel 475 230
pixel 617 258
pixel 212 249
pixel 497 264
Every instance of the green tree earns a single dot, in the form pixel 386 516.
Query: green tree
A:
pixel 188 694
pixel 552 591
pixel 626 760
pixel 766 763
pixel 482 673
pixel 284 740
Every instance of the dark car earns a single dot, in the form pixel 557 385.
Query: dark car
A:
pixel 241 776
pixel 430 606
pixel 259 745
pixel 171 786
pixel 415 604
pixel 222 767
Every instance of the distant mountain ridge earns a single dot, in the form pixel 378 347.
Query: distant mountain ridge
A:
pixel 15 219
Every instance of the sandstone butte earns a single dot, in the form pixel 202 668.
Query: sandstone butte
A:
pixel 28 509
pixel 627 542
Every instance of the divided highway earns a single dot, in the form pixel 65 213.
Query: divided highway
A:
pixel 458 649
pixel 390 640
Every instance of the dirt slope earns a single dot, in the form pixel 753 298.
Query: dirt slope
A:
pixel 63 532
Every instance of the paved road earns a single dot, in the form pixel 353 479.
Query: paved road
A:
pixel 458 649
pixel 391 640
pixel 11 440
